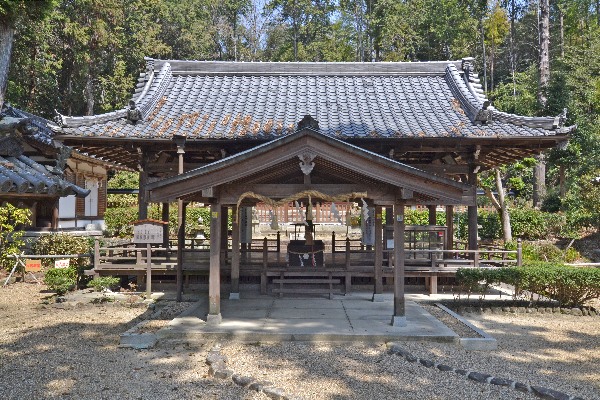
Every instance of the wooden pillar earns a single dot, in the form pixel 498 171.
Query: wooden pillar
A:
pixel 378 290
pixel 142 198
pixel 224 233
pixel 165 218
pixel 214 279
pixel 449 229
pixel 180 142
pixel 265 265
pixel 399 318
pixel 55 216
pixel 432 214
pixel 180 246
pixel 472 211
pixel 387 234
pixel 234 293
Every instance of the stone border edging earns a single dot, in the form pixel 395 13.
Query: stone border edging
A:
pixel 511 309
pixel 541 392
pixel 485 342
pixel 218 368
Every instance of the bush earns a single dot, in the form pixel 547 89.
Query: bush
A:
pixel 526 223
pixel 61 280
pixel 570 286
pixel 104 282
pixel 63 244
pixel 119 221
pixel 11 219
pixel 546 252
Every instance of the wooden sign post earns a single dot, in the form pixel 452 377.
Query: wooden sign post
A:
pixel 148 231
pixel 32 266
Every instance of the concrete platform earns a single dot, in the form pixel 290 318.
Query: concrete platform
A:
pixel 353 317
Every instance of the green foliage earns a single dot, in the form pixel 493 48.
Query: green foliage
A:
pixel 570 286
pixel 11 220
pixel 421 217
pixel 61 280
pixel 63 244
pixel 119 220
pixel 104 283
pixel 546 252
pixel 526 223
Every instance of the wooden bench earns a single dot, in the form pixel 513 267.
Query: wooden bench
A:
pixel 308 280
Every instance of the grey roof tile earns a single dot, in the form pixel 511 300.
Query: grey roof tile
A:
pixel 22 175
pixel 228 100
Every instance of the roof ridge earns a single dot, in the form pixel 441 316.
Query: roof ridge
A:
pixel 487 113
pixel 197 67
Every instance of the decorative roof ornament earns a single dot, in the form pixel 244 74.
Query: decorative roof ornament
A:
pixel 308 122
pixel 485 114
pixel 306 162
pixel 133 113
pixel 58 118
pixel 467 66
pixel 560 119
pixel 64 152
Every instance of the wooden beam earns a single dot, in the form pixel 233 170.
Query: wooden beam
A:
pixel 442 169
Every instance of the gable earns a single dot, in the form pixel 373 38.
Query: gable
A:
pixel 331 162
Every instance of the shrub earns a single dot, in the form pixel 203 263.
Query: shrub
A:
pixel 570 286
pixel 11 218
pixel 61 280
pixel 104 282
pixel 63 244
pixel 119 221
pixel 526 223
pixel 546 252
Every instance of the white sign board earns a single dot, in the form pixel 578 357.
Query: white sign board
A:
pixel 245 224
pixel 148 233
pixel 61 263
pixel 368 228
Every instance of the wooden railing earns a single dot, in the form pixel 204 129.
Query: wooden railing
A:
pixel 266 252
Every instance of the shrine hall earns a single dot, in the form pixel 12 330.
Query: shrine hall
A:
pixel 305 136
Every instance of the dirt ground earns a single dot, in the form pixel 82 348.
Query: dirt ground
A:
pixel 70 351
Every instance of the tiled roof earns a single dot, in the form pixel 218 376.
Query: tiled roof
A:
pixel 230 100
pixel 22 175
pixel 42 134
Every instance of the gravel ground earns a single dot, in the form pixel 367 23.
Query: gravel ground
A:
pixel 71 352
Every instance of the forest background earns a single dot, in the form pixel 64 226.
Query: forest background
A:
pixel 82 57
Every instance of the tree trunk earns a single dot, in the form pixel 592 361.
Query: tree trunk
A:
pixel 539 173
pixel 504 215
pixel 544 43
pixel 7 35
pixel 539 181
pixel 89 95
pixel 562 182
pixel 485 86
pixel 562 32
pixel 501 206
